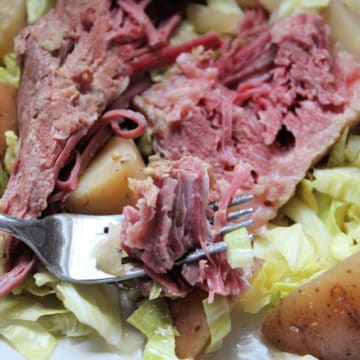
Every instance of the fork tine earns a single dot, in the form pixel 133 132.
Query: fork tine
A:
pixel 236 214
pixel 237 200
pixel 234 226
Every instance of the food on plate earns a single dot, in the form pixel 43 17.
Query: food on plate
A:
pixel 171 219
pixel 192 325
pixel 275 98
pixel 76 60
pixel 250 111
pixel 117 161
pixel 321 317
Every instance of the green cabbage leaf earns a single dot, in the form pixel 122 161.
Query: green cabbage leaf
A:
pixel 153 319
pixel 10 72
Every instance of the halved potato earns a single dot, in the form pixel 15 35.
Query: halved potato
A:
pixel 12 19
pixel 103 187
pixel 322 317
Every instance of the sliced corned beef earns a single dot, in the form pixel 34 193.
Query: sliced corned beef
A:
pixel 170 220
pixel 77 60
pixel 261 113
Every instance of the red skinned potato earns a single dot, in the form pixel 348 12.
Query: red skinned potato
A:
pixel 190 321
pixel 322 317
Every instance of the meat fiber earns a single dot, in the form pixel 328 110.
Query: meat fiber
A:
pixel 265 110
pixel 75 61
pixel 170 220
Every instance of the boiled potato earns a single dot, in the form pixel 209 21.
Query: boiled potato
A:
pixel 12 19
pixel 7 113
pixel 103 187
pixel 322 317
pixel 190 321
pixel 206 19
pixel 345 26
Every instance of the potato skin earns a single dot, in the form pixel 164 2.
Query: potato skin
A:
pixel 189 319
pixel 322 317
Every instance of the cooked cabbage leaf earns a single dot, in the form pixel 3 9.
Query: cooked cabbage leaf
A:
pixel 324 229
pixel 44 307
pixel 219 321
pixel 153 319
pixel 288 7
pixel 239 250
pixel 10 154
pixel 29 338
pixel 37 8
pixel 10 72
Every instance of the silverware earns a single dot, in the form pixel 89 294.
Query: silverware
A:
pixel 67 243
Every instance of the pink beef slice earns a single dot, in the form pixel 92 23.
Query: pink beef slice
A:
pixel 262 113
pixel 74 63
pixel 170 220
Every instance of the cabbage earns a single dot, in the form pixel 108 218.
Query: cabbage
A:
pixel 225 6
pixel 10 73
pixel 324 229
pixel 219 321
pixel 29 338
pixel 4 176
pixel 43 308
pixel 11 142
pixel 153 319
pixel 37 8
pixel 96 307
pixel 239 250
pixel 288 7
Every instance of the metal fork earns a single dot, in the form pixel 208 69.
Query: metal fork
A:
pixel 67 243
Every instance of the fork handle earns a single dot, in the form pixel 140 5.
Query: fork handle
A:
pixel 15 226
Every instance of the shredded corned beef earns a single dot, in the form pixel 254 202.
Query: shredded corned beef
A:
pixel 76 61
pixel 261 113
pixel 170 220
pixel 171 215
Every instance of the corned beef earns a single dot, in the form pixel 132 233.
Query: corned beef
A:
pixel 76 61
pixel 261 113
pixel 170 220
